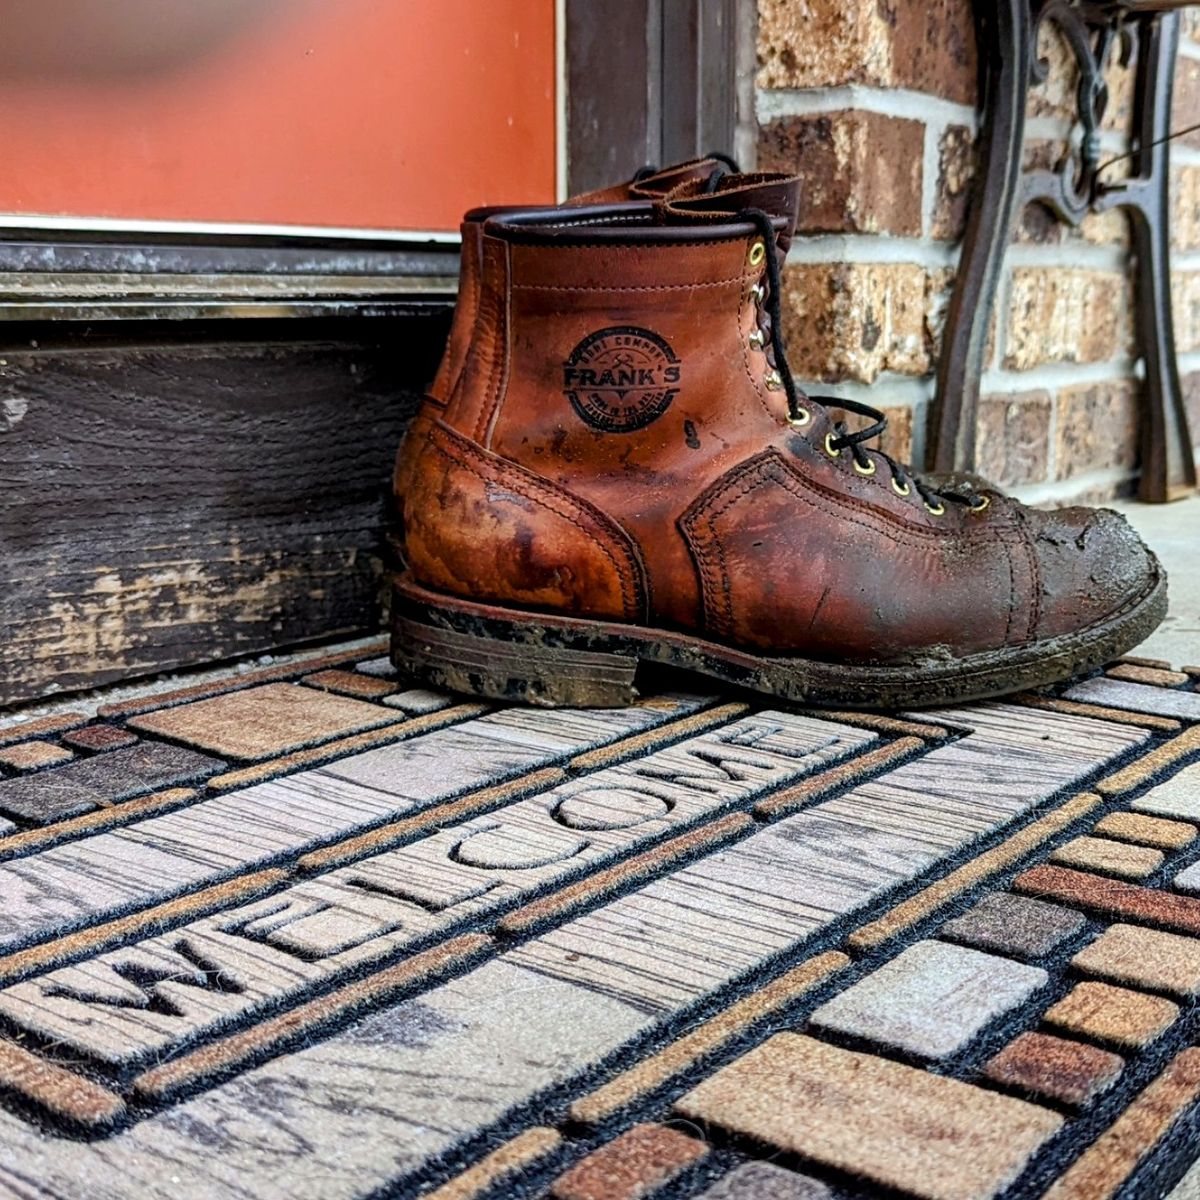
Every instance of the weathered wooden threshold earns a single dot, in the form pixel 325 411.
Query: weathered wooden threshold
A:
pixel 109 296
pixel 175 492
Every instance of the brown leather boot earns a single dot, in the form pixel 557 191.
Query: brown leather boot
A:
pixel 626 473
pixel 646 185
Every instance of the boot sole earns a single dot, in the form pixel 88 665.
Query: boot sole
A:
pixel 543 659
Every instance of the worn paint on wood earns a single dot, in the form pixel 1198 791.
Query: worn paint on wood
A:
pixel 172 504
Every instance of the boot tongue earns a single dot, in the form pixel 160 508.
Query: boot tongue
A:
pixel 652 185
pixel 695 173
pixel 775 194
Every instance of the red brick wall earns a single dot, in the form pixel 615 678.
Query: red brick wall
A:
pixel 873 102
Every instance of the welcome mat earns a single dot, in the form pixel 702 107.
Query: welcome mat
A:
pixel 313 932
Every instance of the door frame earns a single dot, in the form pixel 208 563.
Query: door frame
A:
pixel 649 82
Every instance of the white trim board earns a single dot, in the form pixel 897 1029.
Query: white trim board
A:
pixel 27 221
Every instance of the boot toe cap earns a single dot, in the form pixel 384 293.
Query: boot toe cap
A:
pixel 1091 564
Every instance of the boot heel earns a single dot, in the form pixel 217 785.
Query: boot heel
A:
pixel 490 665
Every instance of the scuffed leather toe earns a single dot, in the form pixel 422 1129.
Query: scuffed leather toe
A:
pixel 1090 565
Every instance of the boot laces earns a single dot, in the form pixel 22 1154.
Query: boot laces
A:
pixel 843 438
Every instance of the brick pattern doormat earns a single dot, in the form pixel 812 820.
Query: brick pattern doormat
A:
pixel 314 933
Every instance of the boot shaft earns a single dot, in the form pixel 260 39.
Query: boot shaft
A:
pixel 647 185
pixel 602 349
pixel 625 338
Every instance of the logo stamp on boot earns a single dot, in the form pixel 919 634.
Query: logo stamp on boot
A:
pixel 621 378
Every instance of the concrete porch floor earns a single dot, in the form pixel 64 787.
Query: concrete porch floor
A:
pixel 1173 532
pixel 303 930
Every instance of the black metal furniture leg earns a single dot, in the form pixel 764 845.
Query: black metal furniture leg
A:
pixel 1005 40
pixel 1094 30
pixel 1168 463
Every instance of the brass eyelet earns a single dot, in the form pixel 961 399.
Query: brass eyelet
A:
pixel 984 501
pixel 774 381
pixel 869 469
pixel 938 511
pixel 758 251
pixel 757 339
pixel 829 448
pixel 800 418
pixel 906 490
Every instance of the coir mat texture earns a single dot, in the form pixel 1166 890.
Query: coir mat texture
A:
pixel 316 933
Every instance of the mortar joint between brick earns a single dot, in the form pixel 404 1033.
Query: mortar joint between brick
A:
pixel 1069 256
pixel 771 104
pixel 903 391
pixel 1065 490
pixel 1051 376
pixel 1066 129
pixel 1185 261
pixel 1184 156
pixel 871 249
pixel 930 176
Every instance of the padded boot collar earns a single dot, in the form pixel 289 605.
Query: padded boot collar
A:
pixel 637 222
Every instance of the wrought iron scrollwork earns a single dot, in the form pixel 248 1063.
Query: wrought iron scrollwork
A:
pixel 1092 35
pixel 1098 33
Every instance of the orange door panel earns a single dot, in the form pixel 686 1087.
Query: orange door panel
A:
pixel 379 113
